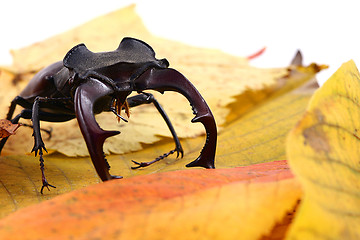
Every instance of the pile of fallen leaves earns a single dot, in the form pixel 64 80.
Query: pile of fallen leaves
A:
pixel 253 194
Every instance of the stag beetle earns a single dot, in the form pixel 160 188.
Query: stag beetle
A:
pixel 87 83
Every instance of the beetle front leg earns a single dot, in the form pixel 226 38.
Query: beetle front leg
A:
pixel 45 183
pixel 39 145
pixel 27 114
pixel 38 142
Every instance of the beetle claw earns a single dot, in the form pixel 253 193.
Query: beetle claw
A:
pixel 38 147
pixel 179 152
pixel 140 164
pixel 47 185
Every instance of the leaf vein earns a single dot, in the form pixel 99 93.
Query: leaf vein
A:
pixel 10 195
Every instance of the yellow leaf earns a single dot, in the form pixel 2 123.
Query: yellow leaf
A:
pixel 323 151
pixel 238 203
pixel 256 137
pixel 251 134
pixel 219 77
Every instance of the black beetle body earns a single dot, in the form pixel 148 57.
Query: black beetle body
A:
pixel 87 83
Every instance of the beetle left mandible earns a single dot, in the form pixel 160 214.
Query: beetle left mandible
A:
pixel 87 83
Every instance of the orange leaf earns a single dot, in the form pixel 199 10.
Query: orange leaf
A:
pixel 7 128
pixel 237 203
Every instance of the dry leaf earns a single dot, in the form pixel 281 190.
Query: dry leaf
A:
pixel 218 76
pixel 7 128
pixel 323 151
pixel 239 203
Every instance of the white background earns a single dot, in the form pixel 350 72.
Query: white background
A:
pixel 327 32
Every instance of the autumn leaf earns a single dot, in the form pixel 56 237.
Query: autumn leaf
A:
pixel 7 128
pixel 256 137
pixel 230 77
pixel 323 151
pixel 255 108
pixel 238 203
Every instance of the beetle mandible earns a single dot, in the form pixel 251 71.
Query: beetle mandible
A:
pixel 87 83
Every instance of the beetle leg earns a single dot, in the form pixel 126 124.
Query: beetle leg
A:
pixel 39 145
pixel 17 101
pixel 26 113
pixel 43 178
pixel 49 117
pixel 38 142
pixel 84 99
pixel 171 80
pixel 147 98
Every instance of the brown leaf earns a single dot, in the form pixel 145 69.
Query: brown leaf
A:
pixel 7 128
